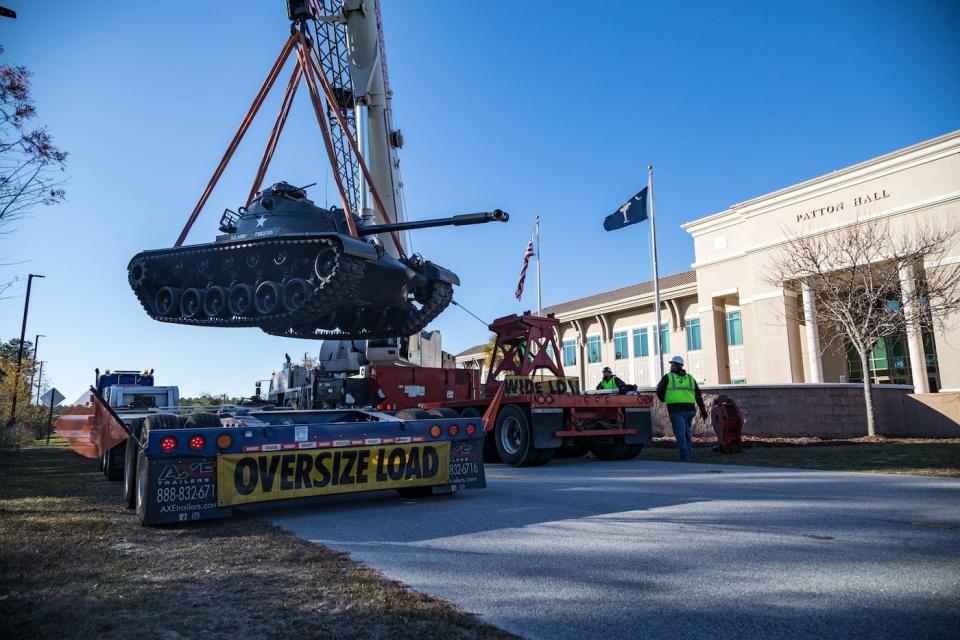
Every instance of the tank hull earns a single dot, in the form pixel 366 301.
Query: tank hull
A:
pixel 305 285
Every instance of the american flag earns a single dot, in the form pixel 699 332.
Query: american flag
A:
pixel 523 271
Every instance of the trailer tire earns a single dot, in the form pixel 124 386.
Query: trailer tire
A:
pixel 130 464
pixel 490 453
pixel 443 412
pixel 143 469
pixel 514 439
pixel 202 421
pixel 413 414
pixel 616 450
pixel 112 469
pixel 161 421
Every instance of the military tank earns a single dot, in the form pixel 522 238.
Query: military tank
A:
pixel 292 269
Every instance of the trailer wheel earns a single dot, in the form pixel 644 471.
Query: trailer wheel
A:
pixel 112 462
pixel 514 438
pixel 443 412
pixel 616 450
pixel 413 414
pixel 202 421
pixel 143 468
pixel 161 421
pixel 130 464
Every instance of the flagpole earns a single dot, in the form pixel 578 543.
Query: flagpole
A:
pixel 656 272
pixel 539 299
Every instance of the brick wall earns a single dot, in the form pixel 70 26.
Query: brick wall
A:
pixel 818 410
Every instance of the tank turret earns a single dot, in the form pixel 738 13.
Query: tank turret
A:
pixel 292 268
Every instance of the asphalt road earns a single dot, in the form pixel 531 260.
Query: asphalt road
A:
pixel 645 549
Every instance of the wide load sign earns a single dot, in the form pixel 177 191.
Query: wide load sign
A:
pixel 540 386
pixel 260 477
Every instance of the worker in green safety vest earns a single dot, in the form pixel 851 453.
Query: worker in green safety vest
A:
pixel 679 391
pixel 611 382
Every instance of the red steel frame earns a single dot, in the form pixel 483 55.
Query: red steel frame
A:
pixel 522 342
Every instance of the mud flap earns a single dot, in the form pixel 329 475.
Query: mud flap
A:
pixel 640 420
pixel 545 423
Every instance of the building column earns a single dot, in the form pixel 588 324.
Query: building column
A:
pixel 814 359
pixel 918 363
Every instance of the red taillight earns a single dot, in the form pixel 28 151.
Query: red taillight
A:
pixel 471 429
pixel 168 444
pixel 453 430
pixel 197 442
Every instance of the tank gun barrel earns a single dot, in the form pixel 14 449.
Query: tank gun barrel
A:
pixel 467 218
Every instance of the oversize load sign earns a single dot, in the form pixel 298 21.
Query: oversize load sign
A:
pixel 260 477
pixel 520 385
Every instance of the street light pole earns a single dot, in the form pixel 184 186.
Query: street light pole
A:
pixel 39 381
pixel 36 344
pixel 23 334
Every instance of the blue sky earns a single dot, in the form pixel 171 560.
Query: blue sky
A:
pixel 542 107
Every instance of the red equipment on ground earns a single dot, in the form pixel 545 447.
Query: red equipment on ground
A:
pixel 727 424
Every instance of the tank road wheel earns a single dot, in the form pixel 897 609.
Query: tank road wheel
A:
pixel 348 319
pixel 240 300
pixel 215 301
pixel 191 303
pixel 373 320
pixel 615 449
pixel 514 439
pixel 167 300
pixel 268 299
pixel 296 292
pixel 326 264
pixel 137 273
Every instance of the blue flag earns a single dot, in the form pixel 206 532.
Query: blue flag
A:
pixel 632 211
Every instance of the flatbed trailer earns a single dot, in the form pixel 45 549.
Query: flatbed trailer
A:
pixel 202 466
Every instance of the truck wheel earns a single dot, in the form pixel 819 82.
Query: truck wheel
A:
pixel 490 453
pixel 130 464
pixel 113 468
pixel 443 412
pixel 514 438
pixel 202 421
pixel 575 449
pixel 616 450
pixel 143 468
pixel 413 414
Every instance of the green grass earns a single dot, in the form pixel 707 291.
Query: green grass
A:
pixel 924 458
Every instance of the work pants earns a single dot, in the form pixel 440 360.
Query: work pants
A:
pixel 682 424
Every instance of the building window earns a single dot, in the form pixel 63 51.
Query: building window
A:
pixel 620 347
pixel 693 335
pixel 641 349
pixel 593 349
pixel 734 330
pixel 664 340
pixel 569 353
pixel 740 381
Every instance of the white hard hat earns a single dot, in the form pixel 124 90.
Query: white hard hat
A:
pixel 676 360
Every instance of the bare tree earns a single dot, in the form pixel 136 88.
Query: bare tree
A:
pixel 29 159
pixel 861 278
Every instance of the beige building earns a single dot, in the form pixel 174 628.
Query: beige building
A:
pixel 733 326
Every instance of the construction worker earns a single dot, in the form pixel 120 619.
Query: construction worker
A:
pixel 679 391
pixel 612 382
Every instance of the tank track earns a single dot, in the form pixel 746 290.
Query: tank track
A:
pixel 322 289
pixel 411 320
